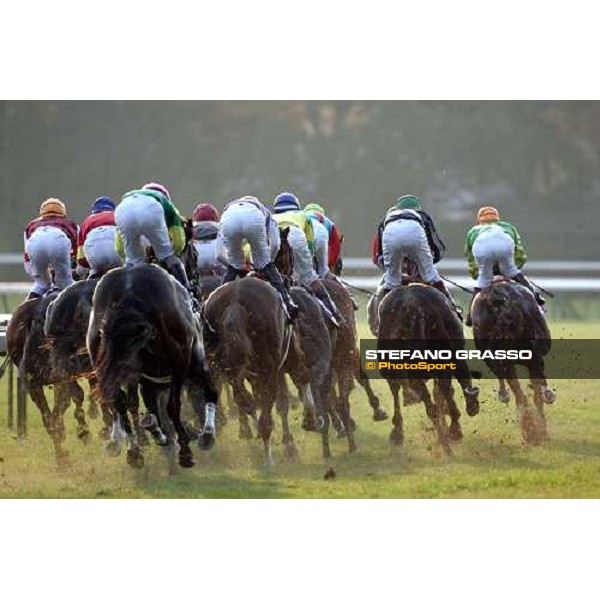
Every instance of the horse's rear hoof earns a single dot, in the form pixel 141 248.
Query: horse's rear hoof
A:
pixel 549 396
pixel 503 396
pixel 379 414
pixel 472 407
pixel 135 459
pixel 84 435
pixel 112 449
pixel 397 437
pixel 186 460
pixel 455 433
pixel 206 440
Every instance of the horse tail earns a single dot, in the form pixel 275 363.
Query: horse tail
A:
pixel 125 331
pixel 235 342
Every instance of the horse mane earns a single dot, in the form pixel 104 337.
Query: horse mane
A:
pixel 125 331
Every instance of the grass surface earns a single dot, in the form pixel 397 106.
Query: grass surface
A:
pixel 491 462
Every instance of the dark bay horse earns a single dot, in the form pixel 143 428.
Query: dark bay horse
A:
pixel 420 312
pixel 142 329
pixel 246 336
pixel 508 311
pixel 28 350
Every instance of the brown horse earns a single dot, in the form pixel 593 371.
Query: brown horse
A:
pixel 142 329
pixel 28 350
pixel 420 312
pixel 346 355
pixel 246 337
pixel 508 311
pixel 309 366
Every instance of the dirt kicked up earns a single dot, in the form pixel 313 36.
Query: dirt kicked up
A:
pixel 491 461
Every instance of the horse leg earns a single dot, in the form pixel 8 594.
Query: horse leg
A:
pixel 345 381
pixel 441 392
pixel 336 421
pixel 538 400
pixel 61 404
pixel 76 392
pixel 93 410
pixel 152 421
pixel 174 411
pixel 133 401
pixel 282 405
pixel 265 394
pixel 107 420
pixel 378 413
pixel 135 458
pixel 527 418
pixel 397 433
pixel 503 393
pixel 246 407
pixel 38 397
pixel 455 430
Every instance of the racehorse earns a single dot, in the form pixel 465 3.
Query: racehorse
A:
pixel 507 311
pixel 142 329
pixel 420 312
pixel 28 351
pixel 246 336
pixel 346 356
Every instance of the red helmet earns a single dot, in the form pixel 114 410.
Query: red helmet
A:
pixel 205 212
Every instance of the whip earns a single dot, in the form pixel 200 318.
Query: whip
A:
pixel 354 287
pixel 541 289
pixel 460 287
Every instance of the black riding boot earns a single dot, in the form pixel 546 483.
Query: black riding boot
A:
pixel 469 319
pixel 439 285
pixel 273 276
pixel 32 296
pixel 520 278
pixel 232 273
pixel 321 293
pixel 175 268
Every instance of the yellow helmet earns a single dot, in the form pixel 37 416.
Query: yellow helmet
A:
pixel 486 214
pixel 53 206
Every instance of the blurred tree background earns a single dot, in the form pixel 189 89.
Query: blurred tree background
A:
pixel 538 162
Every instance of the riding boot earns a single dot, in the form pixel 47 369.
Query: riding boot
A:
pixel 32 296
pixel 469 319
pixel 175 268
pixel 520 278
pixel 321 293
pixel 439 285
pixel 273 276
pixel 232 273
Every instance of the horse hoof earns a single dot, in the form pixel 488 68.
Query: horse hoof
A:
pixel 379 414
pixel 84 435
pixel 186 461
pixel 135 459
pixel 503 396
pixel 206 440
pixel 472 407
pixel 112 449
pixel 397 437
pixel 549 396
pixel 309 423
pixel 455 434
pixel 160 439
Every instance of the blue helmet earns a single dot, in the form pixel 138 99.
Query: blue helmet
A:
pixel 286 201
pixel 103 203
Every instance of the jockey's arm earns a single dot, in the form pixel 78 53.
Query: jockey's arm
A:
pixel 473 268
pixel 119 245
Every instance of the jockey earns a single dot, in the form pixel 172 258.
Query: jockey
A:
pixel 50 242
pixel 150 213
pixel 96 244
pixel 409 232
pixel 328 240
pixel 301 239
pixel 491 243
pixel 212 258
pixel 248 220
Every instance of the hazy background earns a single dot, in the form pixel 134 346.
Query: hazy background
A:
pixel 538 162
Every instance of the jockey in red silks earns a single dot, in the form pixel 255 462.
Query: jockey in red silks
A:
pixel 96 250
pixel 50 243
pixel 212 257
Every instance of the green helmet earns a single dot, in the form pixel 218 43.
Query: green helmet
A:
pixel 408 201
pixel 314 207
